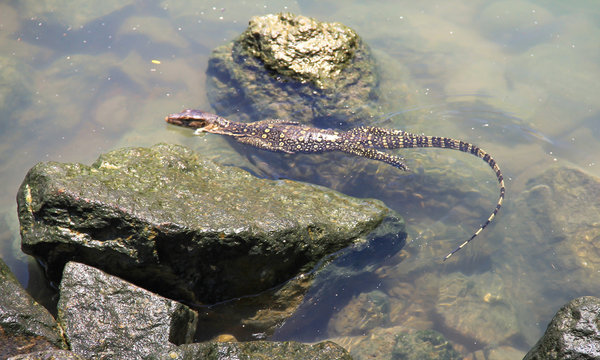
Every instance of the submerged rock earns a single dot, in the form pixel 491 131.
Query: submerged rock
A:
pixel 78 15
pixel 424 345
pixel 559 240
pixel 25 325
pixel 104 316
pixel 363 313
pixel 503 352
pixel 258 350
pixel 516 25
pixel 562 202
pixel 15 91
pixel 399 343
pixel 465 302
pixel 295 68
pixel 573 333
pixel 190 229
pixel 377 344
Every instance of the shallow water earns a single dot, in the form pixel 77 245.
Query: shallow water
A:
pixel 518 78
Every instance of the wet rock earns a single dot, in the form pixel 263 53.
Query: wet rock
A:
pixel 48 355
pixel 104 316
pixel 186 228
pixel 25 326
pixel 573 333
pixel 296 68
pixel 257 350
pixel 424 345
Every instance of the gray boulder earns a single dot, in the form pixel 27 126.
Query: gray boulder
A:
pixel 180 226
pixel 296 68
pixel 25 325
pixel 106 317
pixel 573 333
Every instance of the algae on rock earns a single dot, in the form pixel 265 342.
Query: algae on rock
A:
pixel 166 220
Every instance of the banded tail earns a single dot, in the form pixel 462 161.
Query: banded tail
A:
pixel 411 140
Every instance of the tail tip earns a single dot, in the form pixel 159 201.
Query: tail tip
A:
pixel 449 255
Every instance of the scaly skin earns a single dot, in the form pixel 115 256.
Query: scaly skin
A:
pixel 290 137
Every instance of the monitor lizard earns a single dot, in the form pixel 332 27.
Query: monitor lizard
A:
pixel 291 137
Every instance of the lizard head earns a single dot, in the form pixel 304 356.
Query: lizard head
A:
pixel 197 119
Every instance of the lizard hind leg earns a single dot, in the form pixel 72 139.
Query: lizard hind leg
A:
pixel 373 154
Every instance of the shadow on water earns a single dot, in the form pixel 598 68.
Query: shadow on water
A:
pixel 493 124
pixel 333 282
pixel 349 274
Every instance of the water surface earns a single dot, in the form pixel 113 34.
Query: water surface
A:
pixel 518 78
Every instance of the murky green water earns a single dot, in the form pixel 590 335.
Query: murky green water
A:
pixel 518 78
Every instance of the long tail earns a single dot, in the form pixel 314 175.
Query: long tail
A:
pixel 396 139
pixel 412 140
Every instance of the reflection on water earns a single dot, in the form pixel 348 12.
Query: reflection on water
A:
pixel 80 80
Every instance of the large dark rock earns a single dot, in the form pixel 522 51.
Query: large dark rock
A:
pixel 25 325
pixel 106 317
pixel 573 333
pixel 186 228
pixel 257 350
pixel 296 68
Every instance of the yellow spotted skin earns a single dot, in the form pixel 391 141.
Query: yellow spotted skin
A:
pixel 291 137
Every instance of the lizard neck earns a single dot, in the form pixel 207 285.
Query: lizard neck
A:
pixel 222 126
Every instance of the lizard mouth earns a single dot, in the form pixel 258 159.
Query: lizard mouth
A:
pixel 188 119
